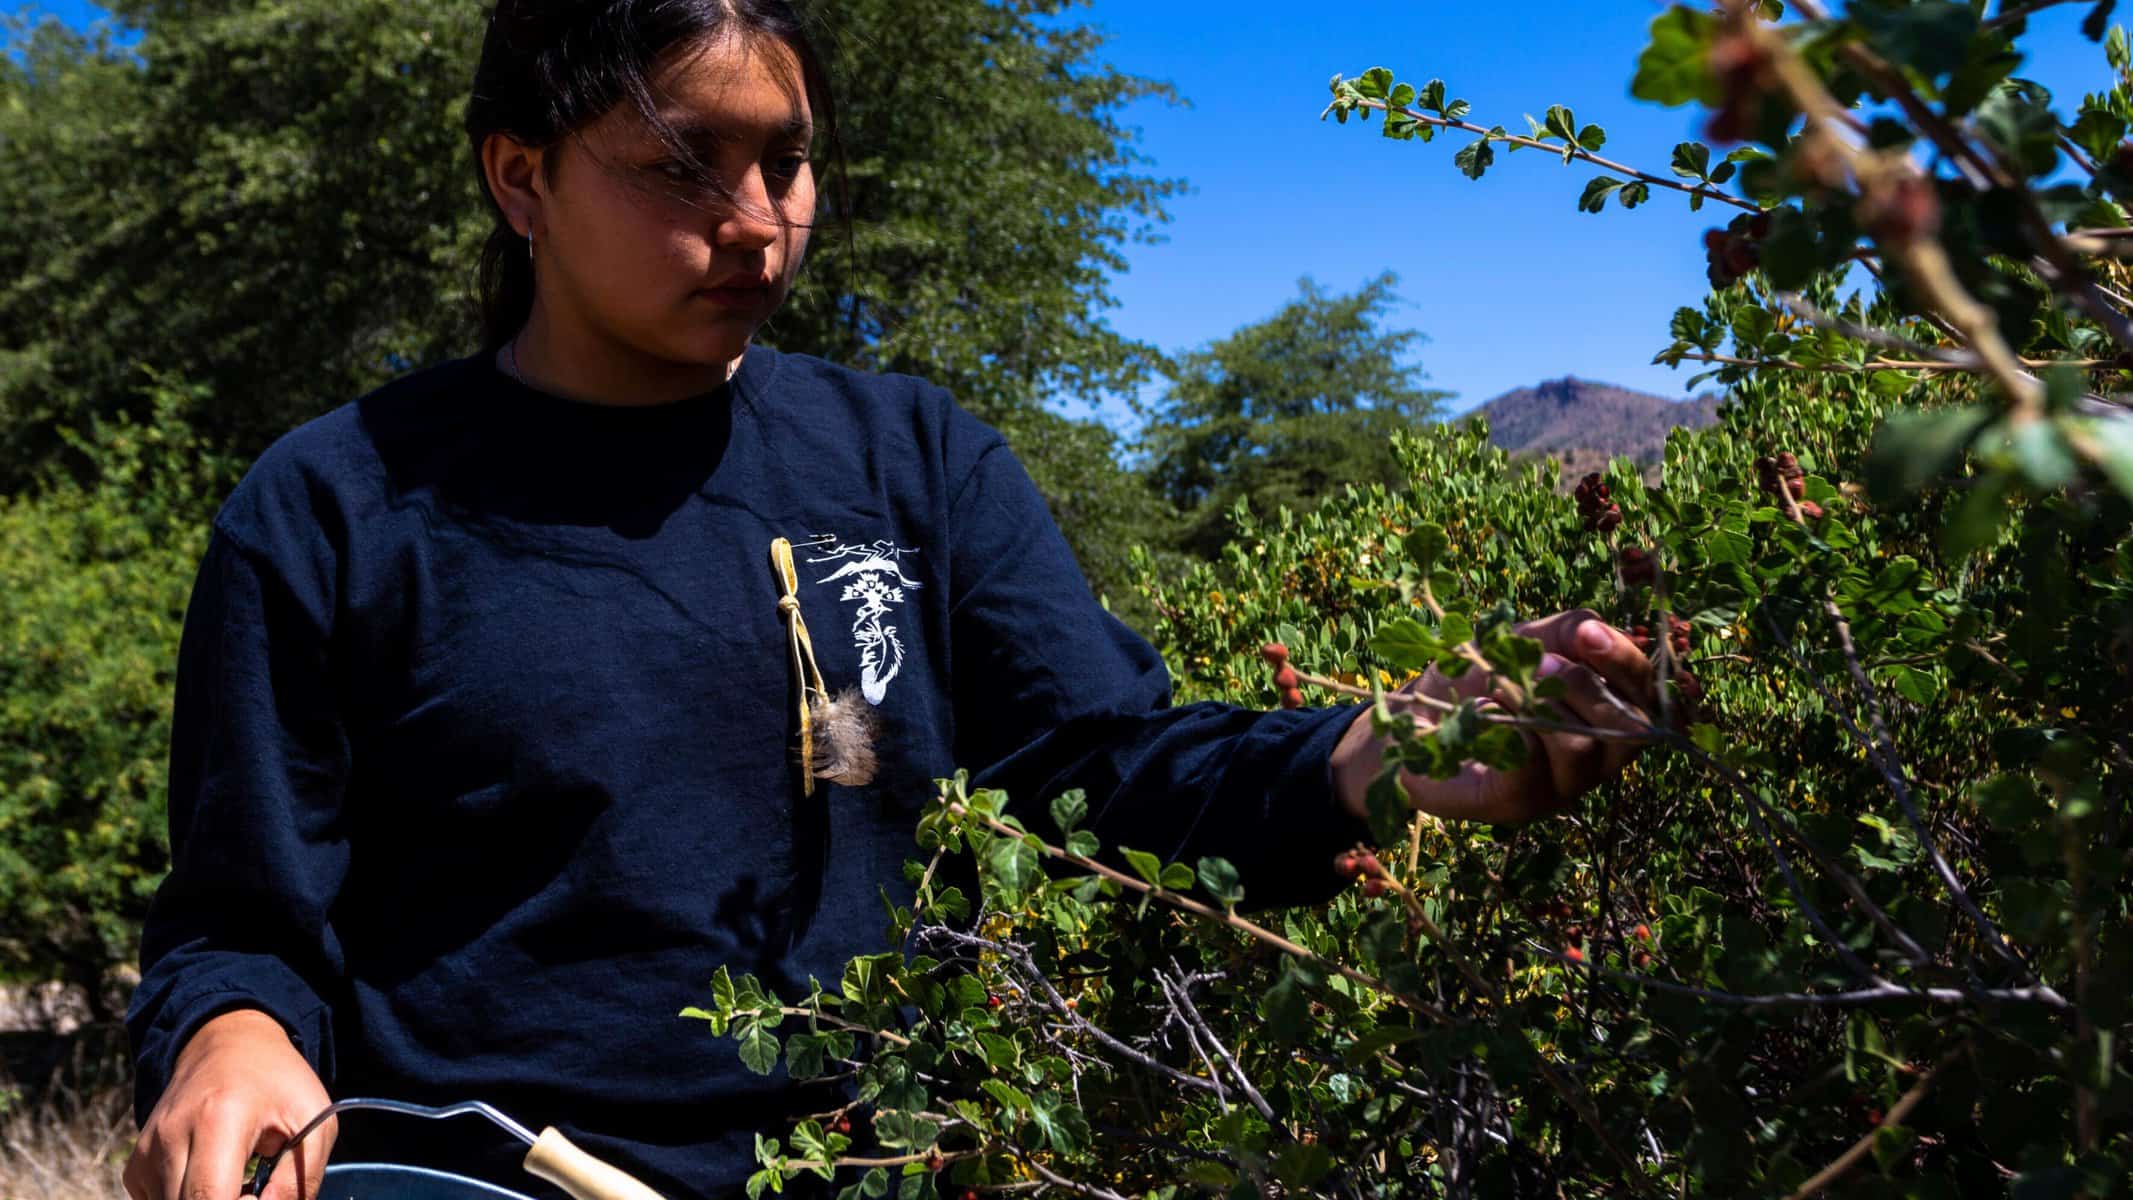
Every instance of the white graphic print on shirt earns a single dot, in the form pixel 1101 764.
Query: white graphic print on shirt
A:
pixel 873 579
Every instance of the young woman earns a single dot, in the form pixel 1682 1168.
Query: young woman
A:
pixel 484 748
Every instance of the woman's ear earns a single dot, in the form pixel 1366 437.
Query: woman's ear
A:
pixel 513 170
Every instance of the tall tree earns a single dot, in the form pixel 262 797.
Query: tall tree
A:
pixel 1286 410
pixel 272 201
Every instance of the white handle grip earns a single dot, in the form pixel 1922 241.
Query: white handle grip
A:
pixel 555 1159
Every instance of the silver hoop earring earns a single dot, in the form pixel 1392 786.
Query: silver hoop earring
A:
pixel 529 243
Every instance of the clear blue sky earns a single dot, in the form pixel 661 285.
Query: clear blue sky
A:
pixel 1509 282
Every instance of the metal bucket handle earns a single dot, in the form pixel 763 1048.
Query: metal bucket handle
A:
pixel 551 1156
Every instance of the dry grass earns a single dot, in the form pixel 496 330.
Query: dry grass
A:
pixel 66 1098
pixel 71 1145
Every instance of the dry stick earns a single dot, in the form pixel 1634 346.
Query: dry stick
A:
pixel 1886 994
pixel 1576 152
pixel 1192 1036
pixel 1179 996
pixel 1074 1019
pixel 1057 1180
pixel 1865 1145
pixel 1562 1085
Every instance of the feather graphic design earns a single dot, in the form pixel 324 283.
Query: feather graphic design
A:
pixel 872 577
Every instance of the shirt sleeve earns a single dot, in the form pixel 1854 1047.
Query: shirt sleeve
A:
pixel 258 760
pixel 1053 692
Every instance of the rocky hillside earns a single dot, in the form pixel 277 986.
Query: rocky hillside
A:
pixel 1584 422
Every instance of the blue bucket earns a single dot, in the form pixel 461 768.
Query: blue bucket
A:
pixel 391 1181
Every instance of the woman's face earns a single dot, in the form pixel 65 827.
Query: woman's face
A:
pixel 637 257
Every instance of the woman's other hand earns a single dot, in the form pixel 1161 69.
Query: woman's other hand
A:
pixel 239 1088
pixel 1594 660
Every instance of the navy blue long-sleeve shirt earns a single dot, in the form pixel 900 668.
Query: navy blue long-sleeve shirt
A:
pixel 484 749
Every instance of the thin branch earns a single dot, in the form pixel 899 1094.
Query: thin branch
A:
pixel 1887 993
pixel 1865 1145
pixel 1180 996
pixel 1577 152
pixel 1888 364
pixel 1892 770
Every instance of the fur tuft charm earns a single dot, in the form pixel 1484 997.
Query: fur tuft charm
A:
pixel 846 729
pixel 837 733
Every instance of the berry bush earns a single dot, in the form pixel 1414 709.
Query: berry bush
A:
pixel 1854 923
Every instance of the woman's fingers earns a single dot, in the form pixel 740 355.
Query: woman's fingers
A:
pixel 1580 635
pixel 299 1173
pixel 1588 701
pixel 214 1159
pixel 154 1160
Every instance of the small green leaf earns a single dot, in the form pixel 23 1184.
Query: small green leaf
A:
pixel 1692 160
pixel 1061 1122
pixel 1915 447
pixel 1221 880
pixel 1407 644
pixel 1144 864
pixel 1068 809
pixel 1594 198
pixel 1425 544
pixel 1013 864
pixel 1083 843
pixel 1455 629
pixel 1012 1099
pixel 1675 67
pixel 1474 159
pixel 1178 877
pixel 759 1048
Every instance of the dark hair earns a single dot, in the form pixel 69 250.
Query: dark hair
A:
pixel 551 67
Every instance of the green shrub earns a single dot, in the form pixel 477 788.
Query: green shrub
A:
pixel 97 570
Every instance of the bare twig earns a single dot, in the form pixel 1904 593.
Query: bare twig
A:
pixel 1181 997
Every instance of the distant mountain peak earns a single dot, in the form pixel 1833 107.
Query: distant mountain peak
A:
pixel 1561 417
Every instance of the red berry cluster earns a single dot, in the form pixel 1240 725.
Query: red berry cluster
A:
pixel 1677 636
pixel 1744 73
pixel 1640 567
pixel 1686 686
pixel 1362 864
pixel 1737 249
pixel 1596 508
pixel 1783 474
pixel 1901 209
pixel 1277 657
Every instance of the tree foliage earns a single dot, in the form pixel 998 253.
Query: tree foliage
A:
pixel 1285 411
